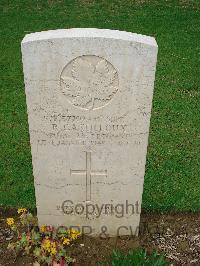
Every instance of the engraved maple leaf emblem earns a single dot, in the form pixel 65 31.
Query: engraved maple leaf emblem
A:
pixel 89 83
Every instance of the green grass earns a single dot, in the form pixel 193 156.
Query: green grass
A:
pixel 172 180
pixel 136 258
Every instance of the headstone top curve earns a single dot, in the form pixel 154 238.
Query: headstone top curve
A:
pixel 89 33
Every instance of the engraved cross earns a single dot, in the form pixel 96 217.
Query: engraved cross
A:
pixel 88 173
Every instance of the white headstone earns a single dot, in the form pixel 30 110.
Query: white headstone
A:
pixel 89 95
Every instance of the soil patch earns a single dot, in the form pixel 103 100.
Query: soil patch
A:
pixel 176 235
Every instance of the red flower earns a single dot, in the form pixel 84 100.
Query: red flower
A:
pixel 62 262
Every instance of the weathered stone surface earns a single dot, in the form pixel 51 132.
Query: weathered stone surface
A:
pixel 89 95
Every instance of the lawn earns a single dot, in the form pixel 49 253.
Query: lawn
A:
pixel 172 179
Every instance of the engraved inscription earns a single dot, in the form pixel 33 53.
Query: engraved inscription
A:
pixel 65 129
pixel 88 173
pixel 89 82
